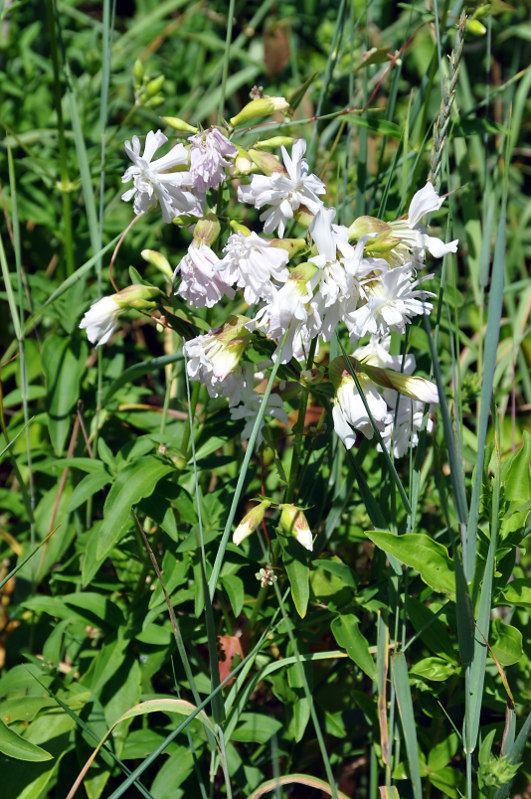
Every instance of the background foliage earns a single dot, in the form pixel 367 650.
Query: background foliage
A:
pixel 366 664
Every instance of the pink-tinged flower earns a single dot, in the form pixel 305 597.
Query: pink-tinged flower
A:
pixel 287 311
pixel 286 191
pixel 209 156
pixel 202 283
pixel 391 299
pixel 252 263
pixel 153 183
pixel 214 358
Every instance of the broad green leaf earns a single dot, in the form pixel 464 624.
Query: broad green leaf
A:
pixel 256 728
pixel 516 472
pixel 63 362
pixel 443 752
pixel 136 481
pixel 518 592
pixel 295 563
pixel 87 487
pixel 420 552
pixel 506 642
pixel 435 669
pixel 347 634
pixel 14 745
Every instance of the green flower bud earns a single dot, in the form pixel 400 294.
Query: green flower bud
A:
pixel 274 142
pixel 179 124
pixel 207 229
pixel 154 86
pixel 138 70
pixel 266 162
pixel 250 522
pixel 137 296
pixel 261 107
pixel 159 261
pixel 293 522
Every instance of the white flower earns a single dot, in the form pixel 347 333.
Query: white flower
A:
pixel 340 269
pixel 153 183
pixel 101 320
pixel 413 236
pixel 202 282
pixel 251 262
pixel 209 156
pixel 214 359
pixel 284 192
pixel 402 431
pixel 287 311
pixel 391 299
pixel 348 410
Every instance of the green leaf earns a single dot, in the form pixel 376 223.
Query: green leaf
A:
pixel 14 745
pixel 518 592
pixel 63 363
pixel 294 558
pixel 420 552
pixel 256 728
pixel 346 632
pixel 87 487
pixel 435 669
pixel 516 472
pixel 506 642
pixel 136 481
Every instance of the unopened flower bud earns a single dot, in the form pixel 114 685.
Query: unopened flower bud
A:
pixel 179 124
pixel 476 27
pixel 292 246
pixel 293 522
pixel 260 108
pixel 237 227
pixel 417 388
pixel 154 86
pixel 137 296
pixel 266 162
pixel 242 163
pixel 311 377
pixel 274 142
pixel 138 70
pixel 365 225
pixel 250 522
pixel 159 261
pixel 207 230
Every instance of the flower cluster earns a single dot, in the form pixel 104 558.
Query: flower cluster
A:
pixel 299 291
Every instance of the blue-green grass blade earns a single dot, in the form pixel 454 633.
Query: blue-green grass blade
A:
pixel 475 674
pixel 492 336
pixel 405 708
pixel 514 755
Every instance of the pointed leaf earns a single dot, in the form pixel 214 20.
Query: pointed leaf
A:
pixel 14 745
pixel 429 558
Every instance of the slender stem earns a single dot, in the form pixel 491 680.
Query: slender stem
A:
pixel 65 185
pixel 226 59
pixel 299 430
